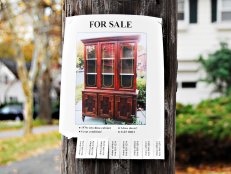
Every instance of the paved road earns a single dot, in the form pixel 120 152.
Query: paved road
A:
pixel 46 163
pixel 36 130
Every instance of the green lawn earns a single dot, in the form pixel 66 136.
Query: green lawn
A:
pixel 14 125
pixel 13 149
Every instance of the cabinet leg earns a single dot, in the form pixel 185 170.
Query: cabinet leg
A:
pixel 83 118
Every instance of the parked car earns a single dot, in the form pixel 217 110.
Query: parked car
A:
pixel 15 112
pixel 55 114
pixel 11 112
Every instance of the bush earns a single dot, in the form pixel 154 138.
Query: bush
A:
pixel 11 103
pixel 217 67
pixel 141 98
pixel 184 109
pixel 210 118
pixel 203 132
pixel 216 128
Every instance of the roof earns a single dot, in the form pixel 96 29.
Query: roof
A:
pixel 12 66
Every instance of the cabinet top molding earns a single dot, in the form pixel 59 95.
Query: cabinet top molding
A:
pixel 116 38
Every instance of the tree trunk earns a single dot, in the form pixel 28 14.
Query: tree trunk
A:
pixel 44 97
pixel 27 86
pixel 28 115
pixel 165 9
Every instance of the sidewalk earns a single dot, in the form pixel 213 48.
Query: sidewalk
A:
pixel 36 130
pixel 46 163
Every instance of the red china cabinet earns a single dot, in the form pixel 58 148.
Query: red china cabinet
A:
pixel 110 78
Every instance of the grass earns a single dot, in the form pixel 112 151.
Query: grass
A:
pixel 78 93
pixel 10 125
pixel 15 125
pixel 14 149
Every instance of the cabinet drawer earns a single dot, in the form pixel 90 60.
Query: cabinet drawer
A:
pixel 105 105
pixel 89 104
pixel 123 107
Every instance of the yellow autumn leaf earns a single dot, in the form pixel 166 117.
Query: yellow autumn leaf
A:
pixel 48 2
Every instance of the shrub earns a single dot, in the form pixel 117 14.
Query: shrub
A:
pixel 184 109
pixel 141 98
pixel 11 103
pixel 210 118
pixel 217 66
pixel 203 132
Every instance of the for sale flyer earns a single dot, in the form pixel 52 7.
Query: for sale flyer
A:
pixel 112 86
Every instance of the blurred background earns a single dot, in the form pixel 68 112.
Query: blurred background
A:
pixel 30 62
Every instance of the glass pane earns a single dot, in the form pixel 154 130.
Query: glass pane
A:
pixel 126 81
pixel 91 66
pixel 108 55
pixel 90 52
pixel 91 80
pixel 108 51
pixel 107 66
pixel 226 16
pixel 127 65
pixel 107 81
pixel 127 50
pixel 180 16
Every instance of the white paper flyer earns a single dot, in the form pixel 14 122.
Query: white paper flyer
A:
pixel 112 86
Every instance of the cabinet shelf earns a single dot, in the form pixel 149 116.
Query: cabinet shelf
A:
pixel 108 58
pixel 126 58
pixel 92 59
pixel 126 74
pixel 91 73
pixel 108 73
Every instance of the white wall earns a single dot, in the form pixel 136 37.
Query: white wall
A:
pixel 13 89
pixel 194 40
pixel 10 89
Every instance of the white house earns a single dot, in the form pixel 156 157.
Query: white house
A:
pixel 10 86
pixel 202 25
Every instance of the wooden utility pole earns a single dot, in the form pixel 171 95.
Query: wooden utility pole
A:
pixel 167 10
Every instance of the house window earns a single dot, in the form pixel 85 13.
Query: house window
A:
pixel 6 79
pixel 189 84
pixel 224 10
pixel 13 99
pixel 187 11
pixel 181 10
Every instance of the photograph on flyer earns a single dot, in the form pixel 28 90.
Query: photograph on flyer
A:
pixel 111 79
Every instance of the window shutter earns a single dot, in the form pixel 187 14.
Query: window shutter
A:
pixel 193 11
pixel 214 10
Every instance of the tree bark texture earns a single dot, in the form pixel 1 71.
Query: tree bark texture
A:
pixel 45 106
pixel 166 9
pixel 28 115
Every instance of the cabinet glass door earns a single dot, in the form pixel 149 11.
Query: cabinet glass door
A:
pixel 127 65
pixel 91 62
pixel 107 62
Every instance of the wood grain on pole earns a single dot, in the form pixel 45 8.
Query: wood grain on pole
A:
pixel 166 9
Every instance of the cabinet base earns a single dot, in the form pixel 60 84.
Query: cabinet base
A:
pixel 119 106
